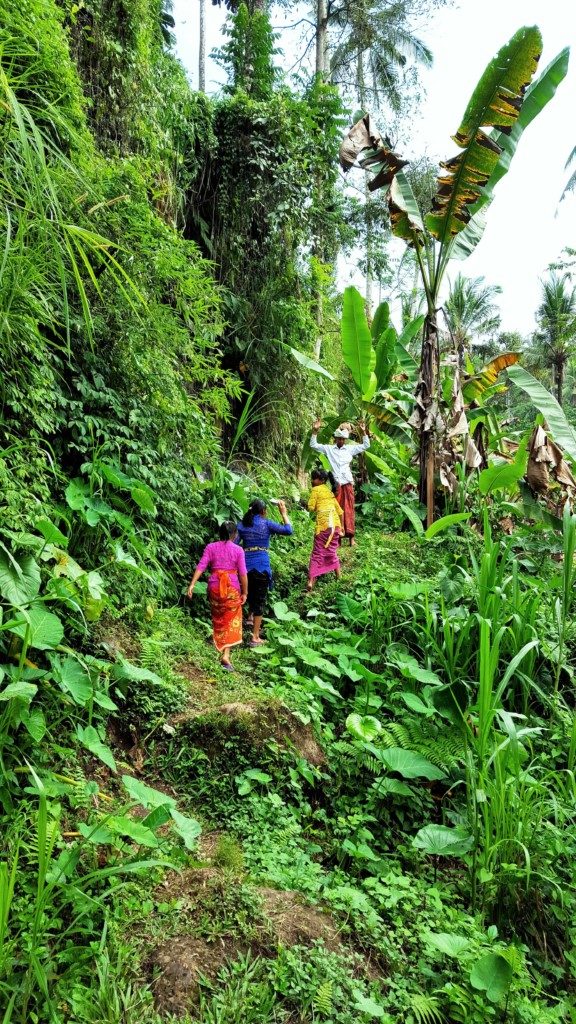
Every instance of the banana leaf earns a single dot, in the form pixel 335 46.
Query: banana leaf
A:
pixel 380 322
pixel 537 96
pixel 405 217
pixel 386 357
pixel 495 103
pixel 407 363
pixel 357 349
pixel 562 431
pixel 411 330
pixel 364 144
pixel 308 363
pixel 478 384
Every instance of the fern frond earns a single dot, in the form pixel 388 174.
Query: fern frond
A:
pixel 323 998
pixel 425 1010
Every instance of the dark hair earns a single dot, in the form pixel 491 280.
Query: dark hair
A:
pixel 324 477
pixel 227 530
pixel 256 508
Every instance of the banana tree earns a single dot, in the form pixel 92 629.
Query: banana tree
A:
pixel 502 106
pixel 372 354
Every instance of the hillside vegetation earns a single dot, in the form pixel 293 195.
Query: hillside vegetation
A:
pixel 373 818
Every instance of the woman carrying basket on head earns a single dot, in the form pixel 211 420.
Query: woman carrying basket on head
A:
pixel 329 518
pixel 227 589
pixel 255 532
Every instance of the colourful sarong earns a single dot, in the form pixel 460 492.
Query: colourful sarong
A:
pixel 226 611
pixel 324 553
pixel 345 498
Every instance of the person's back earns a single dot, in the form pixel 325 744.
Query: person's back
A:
pixel 327 509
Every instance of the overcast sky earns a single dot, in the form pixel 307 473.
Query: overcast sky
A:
pixel 527 227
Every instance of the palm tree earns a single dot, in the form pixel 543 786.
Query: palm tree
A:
pixel 471 313
pixel 374 48
pixel 556 318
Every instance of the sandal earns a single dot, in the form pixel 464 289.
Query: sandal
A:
pixel 256 643
pixel 227 666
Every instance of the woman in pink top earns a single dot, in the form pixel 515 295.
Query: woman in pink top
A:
pixel 227 589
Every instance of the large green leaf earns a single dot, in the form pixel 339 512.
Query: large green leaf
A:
pixel 410 765
pixel 495 103
pixel 357 349
pixel 447 942
pixel 492 975
pixel 412 328
pixel 363 727
pixel 73 679
pixel 405 217
pixel 478 383
pixel 144 794
pixel 380 321
pixel 26 691
pixel 386 357
pixel 561 430
pixel 539 93
pixel 187 828
pixel 308 363
pixel 442 841
pixel 51 533
pixel 45 630
pixel 134 830
pixel 407 363
pixel 19 578
pixel 503 475
pixel 90 739
pixel 445 522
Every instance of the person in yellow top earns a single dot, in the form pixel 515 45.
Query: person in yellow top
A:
pixel 329 520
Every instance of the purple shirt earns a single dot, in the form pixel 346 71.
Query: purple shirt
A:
pixel 223 554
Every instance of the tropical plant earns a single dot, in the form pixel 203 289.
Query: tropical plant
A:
pixel 556 334
pixel 506 102
pixel 471 313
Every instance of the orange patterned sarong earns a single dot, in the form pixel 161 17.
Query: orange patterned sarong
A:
pixel 226 611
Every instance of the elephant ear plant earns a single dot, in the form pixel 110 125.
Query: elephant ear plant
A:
pixel 502 105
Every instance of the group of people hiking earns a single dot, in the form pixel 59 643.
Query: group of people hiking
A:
pixel 239 562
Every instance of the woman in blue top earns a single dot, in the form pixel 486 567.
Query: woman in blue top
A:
pixel 254 531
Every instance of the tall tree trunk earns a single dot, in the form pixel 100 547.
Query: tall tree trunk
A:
pixel 321 71
pixel 202 49
pixel 361 86
pixel 321 37
pixel 426 397
pixel 559 374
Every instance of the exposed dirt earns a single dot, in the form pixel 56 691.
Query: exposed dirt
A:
pixel 115 639
pixel 259 722
pixel 295 924
pixel 177 965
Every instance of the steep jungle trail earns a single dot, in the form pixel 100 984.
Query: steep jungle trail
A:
pixel 305 898
pixel 278 888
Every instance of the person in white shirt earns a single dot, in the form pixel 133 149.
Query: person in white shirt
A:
pixel 340 456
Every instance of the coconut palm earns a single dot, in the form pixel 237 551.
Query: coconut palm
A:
pixel 556 318
pixel 471 312
pixel 375 46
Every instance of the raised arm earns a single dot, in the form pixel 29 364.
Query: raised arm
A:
pixel 285 526
pixel 314 439
pixel 357 448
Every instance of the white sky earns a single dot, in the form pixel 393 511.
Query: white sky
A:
pixel 527 228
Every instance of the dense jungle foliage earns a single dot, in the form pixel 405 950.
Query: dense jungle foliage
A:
pixel 374 817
